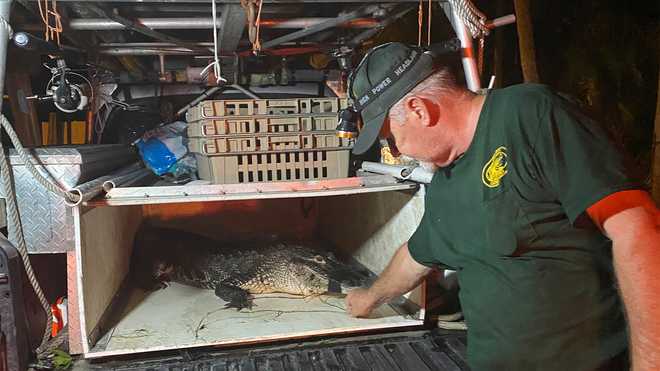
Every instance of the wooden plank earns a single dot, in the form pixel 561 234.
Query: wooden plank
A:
pixel 184 317
pixel 268 190
pixel 73 312
pixel 373 226
pixel 526 40
pixel 25 119
pixel 235 220
pixel 655 167
pixel 104 240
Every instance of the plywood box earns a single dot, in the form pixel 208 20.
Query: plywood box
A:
pixel 116 318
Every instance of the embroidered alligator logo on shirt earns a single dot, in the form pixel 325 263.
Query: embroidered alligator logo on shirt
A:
pixel 495 168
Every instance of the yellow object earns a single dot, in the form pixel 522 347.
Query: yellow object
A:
pixel 495 168
pixel 44 133
pixel 319 61
pixel 387 157
pixel 77 132
pixel 66 133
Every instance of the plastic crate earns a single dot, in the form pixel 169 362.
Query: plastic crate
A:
pixel 267 143
pixel 273 167
pixel 252 125
pixel 264 107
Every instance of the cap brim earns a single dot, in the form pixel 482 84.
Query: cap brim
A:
pixel 369 134
pixel 380 107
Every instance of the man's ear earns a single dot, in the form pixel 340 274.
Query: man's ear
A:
pixel 421 110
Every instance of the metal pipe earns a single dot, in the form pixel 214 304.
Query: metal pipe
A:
pixel 329 23
pixel 99 24
pixel 414 173
pixel 117 51
pixel 245 91
pixel 93 188
pixel 121 180
pixel 468 56
pixel 501 21
pixel 203 96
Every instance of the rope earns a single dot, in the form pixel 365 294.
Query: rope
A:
pixel 25 157
pixel 7 26
pixel 480 55
pixel 256 47
pixel 420 18
pixel 428 30
pixel 216 46
pixel 473 18
pixel 16 236
pixel 51 32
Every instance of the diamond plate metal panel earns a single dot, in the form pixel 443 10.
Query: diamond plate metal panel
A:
pixel 47 221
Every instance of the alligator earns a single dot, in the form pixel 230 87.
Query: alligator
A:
pixel 234 272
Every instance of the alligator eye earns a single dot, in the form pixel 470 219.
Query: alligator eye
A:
pixel 319 259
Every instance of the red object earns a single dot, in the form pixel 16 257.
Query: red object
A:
pixel 618 202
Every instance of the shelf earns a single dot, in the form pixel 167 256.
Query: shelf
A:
pixel 247 191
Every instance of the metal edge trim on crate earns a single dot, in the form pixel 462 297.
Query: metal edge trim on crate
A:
pixel 245 191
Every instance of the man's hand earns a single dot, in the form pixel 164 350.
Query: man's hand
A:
pixel 360 303
pixel 402 274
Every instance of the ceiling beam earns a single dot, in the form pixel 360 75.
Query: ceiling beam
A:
pixel 233 24
pixel 139 28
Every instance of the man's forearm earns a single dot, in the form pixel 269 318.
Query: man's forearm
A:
pixel 637 263
pixel 400 276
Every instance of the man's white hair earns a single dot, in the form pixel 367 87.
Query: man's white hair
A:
pixel 439 83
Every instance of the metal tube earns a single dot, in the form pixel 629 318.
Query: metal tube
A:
pixel 93 188
pixel 99 24
pixel 245 91
pixel 203 96
pixel 121 180
pixel 414 173
pixel 148 51
pixel 501 21
pixel 468 56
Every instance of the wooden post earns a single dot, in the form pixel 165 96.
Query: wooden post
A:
pixel 526 41
pixel 25 122
pixel 655 163
pixel 499 45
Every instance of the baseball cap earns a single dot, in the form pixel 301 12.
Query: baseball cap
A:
pixel 386 73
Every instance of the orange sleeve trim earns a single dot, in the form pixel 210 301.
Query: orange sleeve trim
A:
pixel 618 202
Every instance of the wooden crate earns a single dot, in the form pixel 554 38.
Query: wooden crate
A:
pixel 114 318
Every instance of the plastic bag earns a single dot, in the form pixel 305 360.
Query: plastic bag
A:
pixel 165 150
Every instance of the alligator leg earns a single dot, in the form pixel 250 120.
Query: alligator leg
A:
pixel 235 296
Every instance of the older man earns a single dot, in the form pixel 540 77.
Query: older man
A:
pixel 531 206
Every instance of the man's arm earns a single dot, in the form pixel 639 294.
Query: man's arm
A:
pixel 635 233
pixel 402 274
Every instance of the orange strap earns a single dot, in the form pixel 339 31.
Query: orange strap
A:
pixel 618 202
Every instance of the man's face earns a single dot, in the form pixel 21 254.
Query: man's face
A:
pixel 404 138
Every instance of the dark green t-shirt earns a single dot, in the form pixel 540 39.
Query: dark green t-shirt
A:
pixel 537 291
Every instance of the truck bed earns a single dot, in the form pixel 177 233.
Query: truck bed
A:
pixel 414 350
